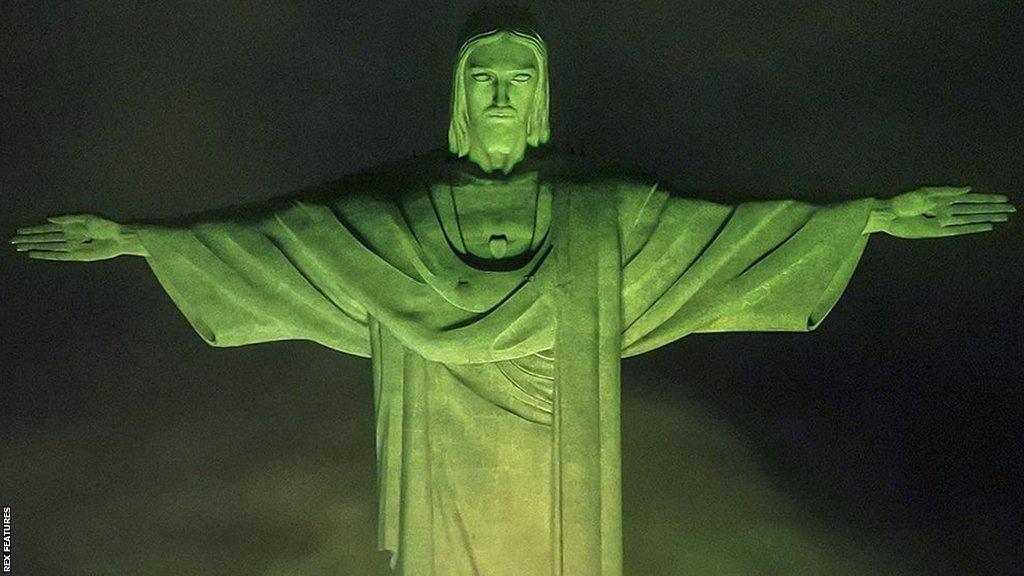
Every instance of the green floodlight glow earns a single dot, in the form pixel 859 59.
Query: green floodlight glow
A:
pixel 496 291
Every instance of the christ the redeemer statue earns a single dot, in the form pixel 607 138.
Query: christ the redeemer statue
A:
pixel 496 286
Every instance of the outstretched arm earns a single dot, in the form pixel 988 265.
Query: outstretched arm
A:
pixel 240 276
pixel 693 266
pixel 79 238
pixel 938 211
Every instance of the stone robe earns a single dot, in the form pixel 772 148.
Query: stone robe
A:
pixel 497 381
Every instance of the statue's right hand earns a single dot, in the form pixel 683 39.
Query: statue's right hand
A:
pixel 76 238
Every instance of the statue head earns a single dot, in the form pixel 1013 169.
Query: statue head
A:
pixel 499 85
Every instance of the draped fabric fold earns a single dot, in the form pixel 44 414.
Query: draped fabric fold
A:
pixel 586 456
pixel 693 266
pixel 497 391
pixel 237 285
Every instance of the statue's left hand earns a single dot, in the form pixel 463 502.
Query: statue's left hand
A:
pixel 937 211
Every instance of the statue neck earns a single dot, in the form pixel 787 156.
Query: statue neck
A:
pixel 496 160
pixel 475 169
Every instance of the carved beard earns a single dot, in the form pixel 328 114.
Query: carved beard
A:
pixel 500 136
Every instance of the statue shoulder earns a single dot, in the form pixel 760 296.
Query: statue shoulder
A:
pixel 641 196
pixel 381 184
pixel 630 188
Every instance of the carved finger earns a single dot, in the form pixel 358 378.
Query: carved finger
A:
pixel 40 229
pixel 946 192
pixel 22 238
pixel 966 229
pixel 981 208
pixel 66 219
pixel 980 199
pixel 47 246
pixel 975 219
pixel 57 256
pixel 51 237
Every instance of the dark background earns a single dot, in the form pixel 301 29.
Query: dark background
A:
pixel 887 441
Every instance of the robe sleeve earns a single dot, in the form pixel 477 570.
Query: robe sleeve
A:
pixel 691 266
pixel 244 276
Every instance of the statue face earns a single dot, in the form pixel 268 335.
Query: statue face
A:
pixel 500 80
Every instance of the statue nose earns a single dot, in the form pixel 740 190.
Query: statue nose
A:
pixel 501 94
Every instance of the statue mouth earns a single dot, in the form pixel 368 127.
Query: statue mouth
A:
pixel 506 113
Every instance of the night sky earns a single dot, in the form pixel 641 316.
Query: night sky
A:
pixel 888 441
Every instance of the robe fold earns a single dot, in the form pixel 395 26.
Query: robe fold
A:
pixel 497 384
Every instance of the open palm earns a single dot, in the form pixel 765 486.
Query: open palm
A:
pixel 72 237
pixel 937 211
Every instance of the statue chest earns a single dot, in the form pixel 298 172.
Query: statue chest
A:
pixel 495 222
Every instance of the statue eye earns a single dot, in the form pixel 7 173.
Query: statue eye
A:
pixel 521 77
pixel 482 77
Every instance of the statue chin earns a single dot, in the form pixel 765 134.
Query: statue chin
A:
pixel 493 151
pixel 501 139
pixel 503 148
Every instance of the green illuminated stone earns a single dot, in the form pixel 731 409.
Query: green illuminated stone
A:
pixel 496 286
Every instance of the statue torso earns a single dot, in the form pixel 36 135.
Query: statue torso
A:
pixel 493 219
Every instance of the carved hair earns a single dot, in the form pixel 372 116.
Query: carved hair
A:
pixel 538 129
